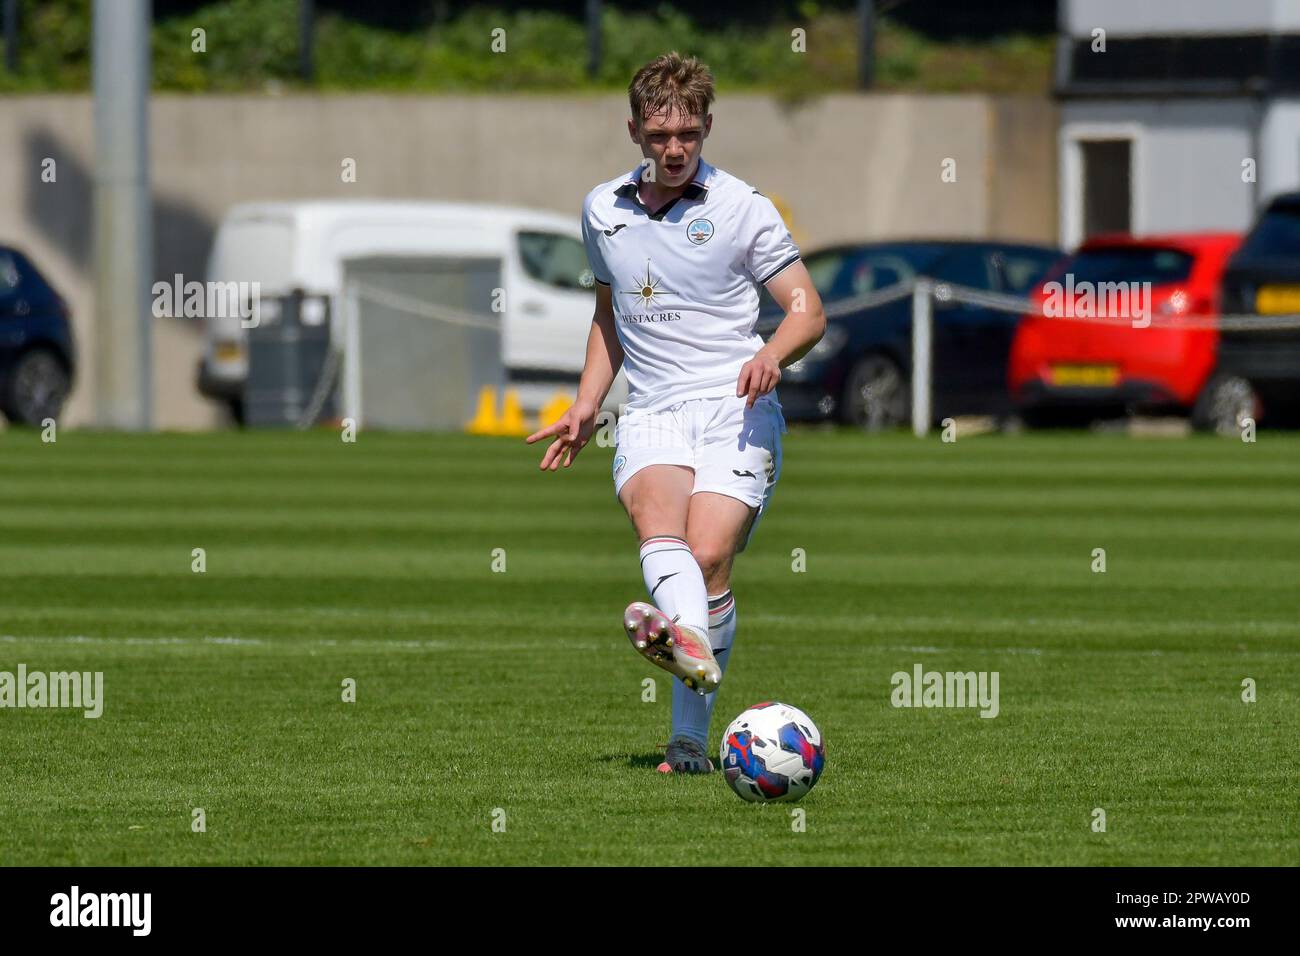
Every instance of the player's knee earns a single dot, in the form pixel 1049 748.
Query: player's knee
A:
pixel 710 556
pixel 650 517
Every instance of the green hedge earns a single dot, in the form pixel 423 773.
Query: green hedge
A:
pixel 252 45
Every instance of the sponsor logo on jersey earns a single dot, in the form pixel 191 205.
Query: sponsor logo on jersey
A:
pixel 614 229
pixel 648 290
pixel 640 318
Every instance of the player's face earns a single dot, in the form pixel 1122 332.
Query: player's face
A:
pixel 673 143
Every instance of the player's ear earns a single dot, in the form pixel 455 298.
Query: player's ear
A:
pixel 632 131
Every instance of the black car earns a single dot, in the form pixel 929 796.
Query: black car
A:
pixel 860 372
pixel 37 356
pixel 1258 371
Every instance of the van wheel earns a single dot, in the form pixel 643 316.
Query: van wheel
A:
pixel 1224 402
pixel 876 394
pixel 36 389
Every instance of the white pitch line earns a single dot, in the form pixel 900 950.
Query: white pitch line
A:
pixel 895 625
pixel 613 646
pixel 228 641
pixel 1110 625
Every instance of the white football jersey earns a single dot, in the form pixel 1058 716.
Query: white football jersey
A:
pixel 685 280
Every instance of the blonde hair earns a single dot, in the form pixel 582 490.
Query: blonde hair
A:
pixel 671 81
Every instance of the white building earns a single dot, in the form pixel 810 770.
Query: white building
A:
pixel 1176 115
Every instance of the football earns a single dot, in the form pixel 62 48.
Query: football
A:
pixel 772 752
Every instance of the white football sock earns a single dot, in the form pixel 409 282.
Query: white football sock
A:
pixel 691 712
pixel 674 581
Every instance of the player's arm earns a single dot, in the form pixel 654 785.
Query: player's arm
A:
pixel 604 351
pixel 801 329
pixel 575 427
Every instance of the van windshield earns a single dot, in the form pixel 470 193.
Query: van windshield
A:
pixel 253 250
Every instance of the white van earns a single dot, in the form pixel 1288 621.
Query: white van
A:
pixel 288 247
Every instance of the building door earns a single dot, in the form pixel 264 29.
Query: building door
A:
pixel 1107 186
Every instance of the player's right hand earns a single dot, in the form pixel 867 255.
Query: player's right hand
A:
pixel 573 430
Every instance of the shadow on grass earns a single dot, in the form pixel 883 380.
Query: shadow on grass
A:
pixel 636 761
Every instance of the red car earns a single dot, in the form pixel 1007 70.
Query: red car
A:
pixel 1068 370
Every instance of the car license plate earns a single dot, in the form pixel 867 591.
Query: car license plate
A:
pixel 1277 299
pixel 1084 376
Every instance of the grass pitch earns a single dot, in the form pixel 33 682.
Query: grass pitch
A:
pixel 478 689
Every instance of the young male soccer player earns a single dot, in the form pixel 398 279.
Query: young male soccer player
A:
pixel 678 249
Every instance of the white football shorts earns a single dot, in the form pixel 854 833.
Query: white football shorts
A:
pixel 734 450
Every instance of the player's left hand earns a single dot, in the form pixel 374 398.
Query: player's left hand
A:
pixel 758 376
pixel 574 429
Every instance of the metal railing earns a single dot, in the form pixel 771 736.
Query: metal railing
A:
pixel 925 292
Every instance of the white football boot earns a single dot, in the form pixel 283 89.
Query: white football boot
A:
pixel 679 649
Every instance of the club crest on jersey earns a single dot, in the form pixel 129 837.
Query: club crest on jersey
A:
pixel 699 231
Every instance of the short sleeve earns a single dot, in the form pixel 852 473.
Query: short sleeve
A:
pixel 594 259
pixel 770 247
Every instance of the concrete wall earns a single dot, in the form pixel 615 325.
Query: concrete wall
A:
pixel 844 166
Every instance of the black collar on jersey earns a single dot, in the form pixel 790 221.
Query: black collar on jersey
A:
pixel 629 190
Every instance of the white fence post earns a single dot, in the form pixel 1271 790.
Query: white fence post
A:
pixel 352 352
pixel 922 326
